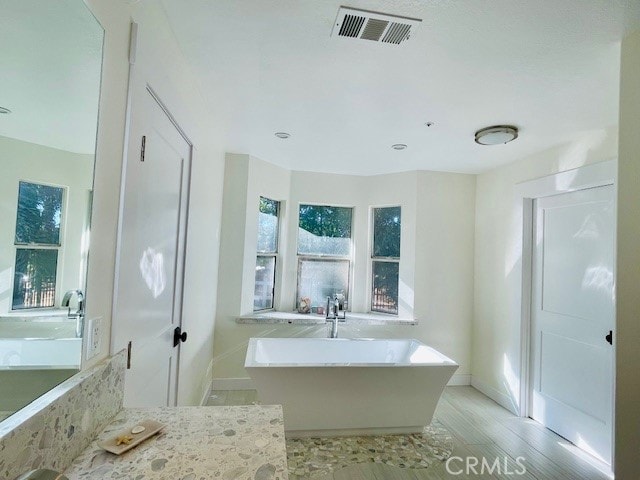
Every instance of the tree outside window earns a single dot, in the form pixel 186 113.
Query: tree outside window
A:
pixel 37 240
pixel 385 259
pixel 324 252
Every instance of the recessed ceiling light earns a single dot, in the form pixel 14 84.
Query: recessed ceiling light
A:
pixel 399 146
pixel 4 110
pixel 496 135
pixel 282 135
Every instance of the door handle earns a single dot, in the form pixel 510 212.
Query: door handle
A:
pixel 179 336
pixel 609 337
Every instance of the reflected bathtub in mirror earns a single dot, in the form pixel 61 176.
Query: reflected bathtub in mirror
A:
pixel 36 354
pixel 50 89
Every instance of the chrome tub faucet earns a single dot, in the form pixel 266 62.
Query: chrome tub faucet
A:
pixel 79 314
pixel 333 315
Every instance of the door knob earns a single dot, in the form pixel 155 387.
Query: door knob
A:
pixel 179 336
pixel 609 337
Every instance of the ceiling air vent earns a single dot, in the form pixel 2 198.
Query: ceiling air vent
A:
pixel 378 27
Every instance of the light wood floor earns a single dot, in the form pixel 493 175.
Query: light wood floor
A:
pixel 480 428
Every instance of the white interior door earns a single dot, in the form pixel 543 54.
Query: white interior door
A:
pixel 572 316
pixel 151 253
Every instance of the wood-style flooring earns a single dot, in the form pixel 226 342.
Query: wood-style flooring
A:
pixel 481 429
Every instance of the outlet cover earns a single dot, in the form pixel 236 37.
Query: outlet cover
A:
pixel 94 342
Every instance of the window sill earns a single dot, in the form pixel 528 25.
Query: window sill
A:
pixel 27 313
pixel 295 318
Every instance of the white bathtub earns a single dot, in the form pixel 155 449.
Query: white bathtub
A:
pixel 39 343
pixel 36 354
pixel 333 387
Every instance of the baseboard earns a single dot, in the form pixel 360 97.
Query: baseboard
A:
pixel 353 432
pixel 247 383
pixel 459 379
pixel 206 393
pixel 500 398
pixel 233 384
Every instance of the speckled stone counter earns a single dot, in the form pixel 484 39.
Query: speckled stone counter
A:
pixel 198 443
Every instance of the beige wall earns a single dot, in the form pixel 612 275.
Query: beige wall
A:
pixel 176 85
pixel 627 337
pixel 436 269
pixel 22 161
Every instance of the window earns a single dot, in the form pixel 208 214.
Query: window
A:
pixel 267 252
pixel 324 253
pixel 37 241
pixel 385 259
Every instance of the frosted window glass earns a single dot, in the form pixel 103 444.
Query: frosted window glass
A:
pixel 319 279
pixel 265 278
pixel 268 225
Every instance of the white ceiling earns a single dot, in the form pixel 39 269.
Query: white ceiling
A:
pixel 50 58
pixel 549 67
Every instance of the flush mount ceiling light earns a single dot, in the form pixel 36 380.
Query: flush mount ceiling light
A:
pixel 399 146
pixel 496 135
pixel 4 110
pixel 282 135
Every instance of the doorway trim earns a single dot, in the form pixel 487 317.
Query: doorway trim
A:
pixel 590 176
pixel 144 88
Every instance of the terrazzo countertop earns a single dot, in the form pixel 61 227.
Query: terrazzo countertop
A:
pixel 197 443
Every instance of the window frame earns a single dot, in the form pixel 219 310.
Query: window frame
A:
pixel 273 254
pixel 382 259
pixel 59 247
pixel 325 257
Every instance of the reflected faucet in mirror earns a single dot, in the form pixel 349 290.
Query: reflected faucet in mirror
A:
pixel 79 314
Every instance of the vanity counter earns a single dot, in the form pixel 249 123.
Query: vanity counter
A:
pixel 244 442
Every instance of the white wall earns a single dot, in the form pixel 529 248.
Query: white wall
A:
pixel 498 242
pixel 431 262
pixel 245 180
pixel 179 90
pixel 444 263
pixel 627 335
pixel 22 161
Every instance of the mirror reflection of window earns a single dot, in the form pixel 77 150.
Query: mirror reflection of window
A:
pixel 49 97
pixel 37 245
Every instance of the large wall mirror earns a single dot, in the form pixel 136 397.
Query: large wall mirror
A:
pixel 51 60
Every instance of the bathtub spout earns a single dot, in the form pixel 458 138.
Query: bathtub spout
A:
pixel 79 315
pixel 333 315
pixel 334 327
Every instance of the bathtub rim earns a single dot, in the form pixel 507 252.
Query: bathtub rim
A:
pixel 250 361
pixel 75 342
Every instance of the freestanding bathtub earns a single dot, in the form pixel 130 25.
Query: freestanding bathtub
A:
pixel 331 387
